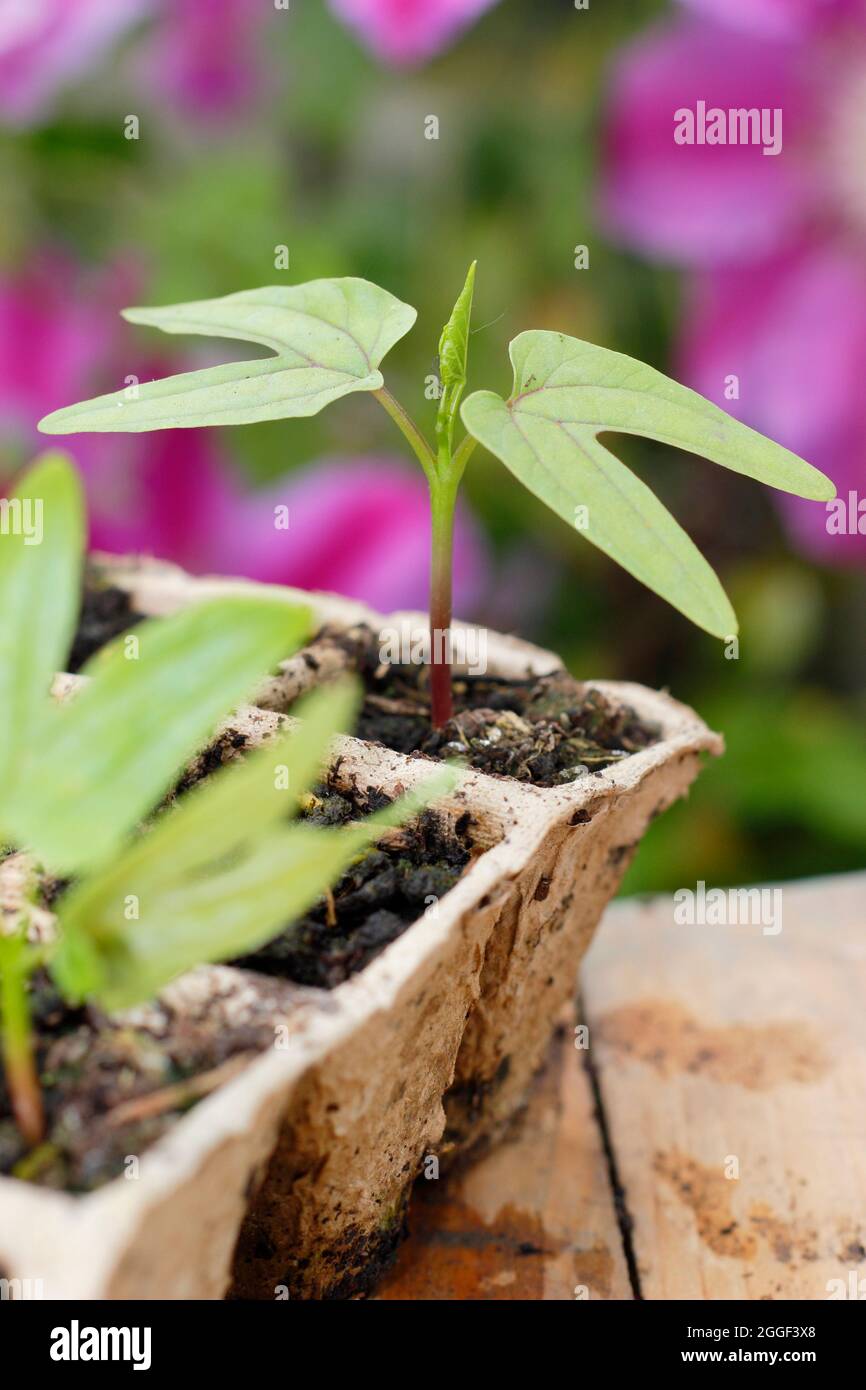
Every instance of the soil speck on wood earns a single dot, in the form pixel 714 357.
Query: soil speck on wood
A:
pixel 756 1056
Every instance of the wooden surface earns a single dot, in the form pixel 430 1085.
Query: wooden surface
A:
pixel 731 1070
pixel 533 1219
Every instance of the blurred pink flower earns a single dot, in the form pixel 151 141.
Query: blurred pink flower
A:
pixel 360 527
pixel 356 526
pixel 46 44
pixel 204 57
pixel 408 31
pixel 201 56
pixel 61 340
pixel 776 243
pixel 776 18
pixel 58 328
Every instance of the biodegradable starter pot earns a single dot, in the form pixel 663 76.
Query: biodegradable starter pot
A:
pixel 292 1179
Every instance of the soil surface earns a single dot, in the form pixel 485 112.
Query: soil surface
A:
pixel 113 1085
pixel 546 730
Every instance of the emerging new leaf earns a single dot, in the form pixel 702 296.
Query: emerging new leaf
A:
pixel 566 392
pixel 453 356
pixel 454 342
pixel 329 337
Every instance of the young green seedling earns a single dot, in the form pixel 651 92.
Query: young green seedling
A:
pixel 329 337
pixel 213 877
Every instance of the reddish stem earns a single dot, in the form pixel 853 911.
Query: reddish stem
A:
pixel 26 1097
pixel 441 701
pixel 22 1077
pixel 442 518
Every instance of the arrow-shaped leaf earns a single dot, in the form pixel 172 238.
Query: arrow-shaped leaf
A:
pixel 566 392
pixel 329 337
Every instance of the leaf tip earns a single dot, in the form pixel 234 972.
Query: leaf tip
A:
pixel 826 488
pixel 52 423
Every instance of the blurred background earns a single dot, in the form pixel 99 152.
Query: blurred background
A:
pixel 162 150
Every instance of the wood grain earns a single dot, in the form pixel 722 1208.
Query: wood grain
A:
pixel 722 1050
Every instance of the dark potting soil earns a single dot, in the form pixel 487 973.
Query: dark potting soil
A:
pixel 113 1085
pixel 373 903
pixel 106 612
pixel 546 730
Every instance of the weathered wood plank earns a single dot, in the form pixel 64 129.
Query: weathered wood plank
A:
pixel 722 1050
pixel 534 1219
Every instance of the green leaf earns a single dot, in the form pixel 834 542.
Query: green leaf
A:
pixel 196 905
pixel 566 392
pixel 41 551
pixel 187 921
pixel 239 802
pixel 454 342
pixel 453 356
pixel 215 824
pixel 329 337
pixel 107 757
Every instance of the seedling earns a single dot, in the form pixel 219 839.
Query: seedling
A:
pixel 211 878
pixel 329 337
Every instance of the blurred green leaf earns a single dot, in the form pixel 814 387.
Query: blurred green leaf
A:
pixel 40 566
pixel 566 392
pixel 218 877
pixel 240 802
pixel 329 337
pixel 106 757
pixel 786 801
